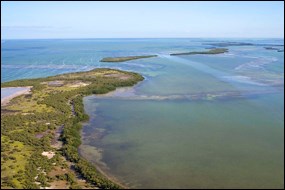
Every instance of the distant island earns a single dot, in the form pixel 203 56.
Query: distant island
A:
pixel 227 44
pixel 127 58
pixel 211 51
pixel 274 48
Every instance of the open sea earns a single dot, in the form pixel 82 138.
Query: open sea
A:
pixel 196 121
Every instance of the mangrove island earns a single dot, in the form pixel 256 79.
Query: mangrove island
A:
pixel 211 51
pixel 127 58
pixel 40 130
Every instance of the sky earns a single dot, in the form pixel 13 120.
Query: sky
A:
pixel 169 19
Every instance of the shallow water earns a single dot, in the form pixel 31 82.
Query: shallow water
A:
pixel 201 121
pixel 5 92
pixel 183 144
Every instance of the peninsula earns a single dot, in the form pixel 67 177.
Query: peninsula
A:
pixel 40 131
pixel 211 51
pixel 127 58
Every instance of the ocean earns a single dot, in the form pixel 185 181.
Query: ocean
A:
pixel 196 121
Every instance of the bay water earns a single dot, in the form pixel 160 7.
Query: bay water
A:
pixel 196 121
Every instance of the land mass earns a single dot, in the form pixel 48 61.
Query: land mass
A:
pixel 274 48
pixel 40 131
pixel 227 44
pixel 127 58
pixel 211 51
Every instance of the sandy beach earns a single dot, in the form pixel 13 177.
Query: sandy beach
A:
pixel 5 100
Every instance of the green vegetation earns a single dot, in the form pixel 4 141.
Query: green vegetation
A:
pixel 226 44
pixel 212 51
pixel 46 109
pixel 127 58
pixel 274 48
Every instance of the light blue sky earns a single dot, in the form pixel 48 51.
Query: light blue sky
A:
pixel 22 20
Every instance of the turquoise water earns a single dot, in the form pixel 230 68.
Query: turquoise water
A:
pixel 201 121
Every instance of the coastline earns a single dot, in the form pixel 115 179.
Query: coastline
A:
pixel 110 177
pixel 99 164
pixel 6 100
pixel 67 107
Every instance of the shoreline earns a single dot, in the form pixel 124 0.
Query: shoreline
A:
pixel 110 177
pixel 7 99
pixel 98 163
pixel 71 135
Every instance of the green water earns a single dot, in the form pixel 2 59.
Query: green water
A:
pixel 203 121
pixel 180 144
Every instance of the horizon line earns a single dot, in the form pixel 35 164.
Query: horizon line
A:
pixel 143 38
